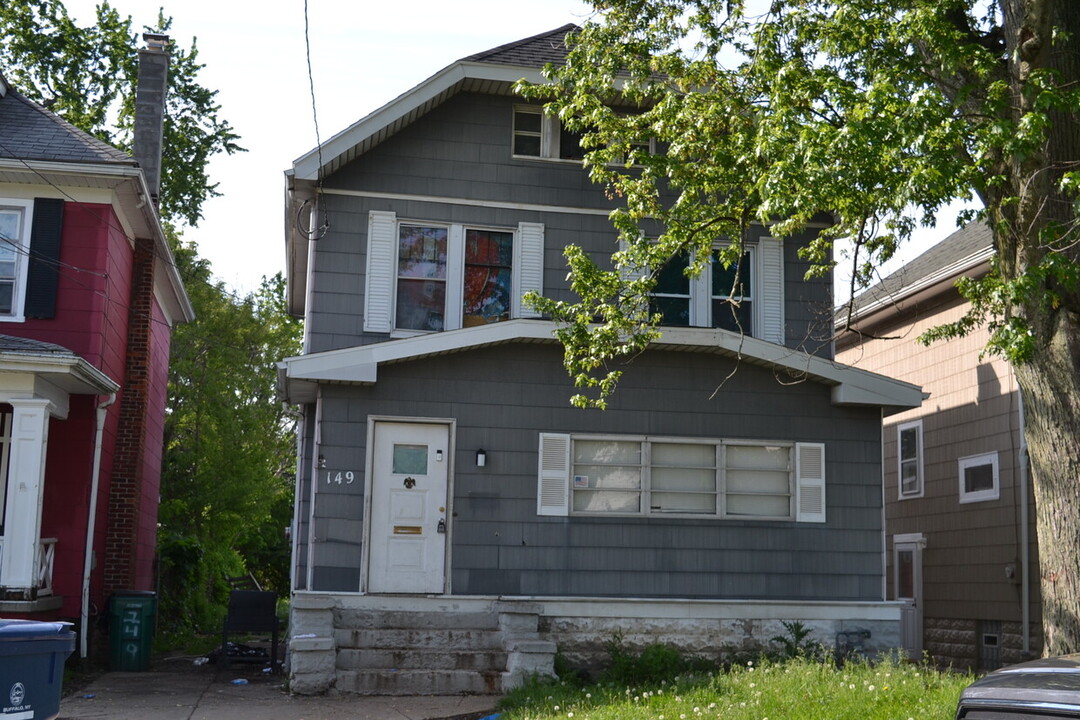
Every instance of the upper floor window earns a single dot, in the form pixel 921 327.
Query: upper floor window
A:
pixel 718 297
pixel 594 475
pixel 427 277
pixel 14 245
pixel 910 459
pixel 979 479
pixel 537 134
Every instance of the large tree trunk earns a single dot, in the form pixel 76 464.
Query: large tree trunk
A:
pixel 1051 387
pixel 1036 222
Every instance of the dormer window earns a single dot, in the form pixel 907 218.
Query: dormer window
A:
pixel 539 135
pixel 431 276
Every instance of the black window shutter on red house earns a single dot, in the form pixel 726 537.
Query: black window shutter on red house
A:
pixel 44 269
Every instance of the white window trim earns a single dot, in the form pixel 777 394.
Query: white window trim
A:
pixel 22 253
pixel 380 292
pixel 991 459
pixel 767 290
pixel 806 478
pixel 920 461
pixel 551 137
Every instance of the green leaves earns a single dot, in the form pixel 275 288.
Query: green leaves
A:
pixel 88 76
pixel 865 115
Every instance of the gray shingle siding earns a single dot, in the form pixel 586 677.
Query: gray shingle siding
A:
pixel 446 155
pixel 502 397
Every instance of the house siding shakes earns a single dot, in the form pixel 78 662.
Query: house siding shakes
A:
pixel 501 545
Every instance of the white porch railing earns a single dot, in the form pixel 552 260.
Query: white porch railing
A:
pixel 46 558
pixel 43 567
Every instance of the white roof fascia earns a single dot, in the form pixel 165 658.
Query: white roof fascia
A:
pixel 938 276
pixel 134 195
pixel 306 167
pixel 71 372
pixel 851 386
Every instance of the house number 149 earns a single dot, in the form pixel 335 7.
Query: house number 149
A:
pixel 341 478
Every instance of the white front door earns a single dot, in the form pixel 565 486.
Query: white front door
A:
pixel 407 537
pixel 907 560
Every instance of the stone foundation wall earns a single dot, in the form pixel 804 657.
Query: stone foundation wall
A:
pixel 954 643
pixel 583 642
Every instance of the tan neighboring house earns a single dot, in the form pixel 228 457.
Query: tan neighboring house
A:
pixel 959 510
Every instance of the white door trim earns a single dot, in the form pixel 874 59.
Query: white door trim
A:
pixel 369 464
pixel 912 612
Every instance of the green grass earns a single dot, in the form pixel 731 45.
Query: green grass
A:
pixel 798 689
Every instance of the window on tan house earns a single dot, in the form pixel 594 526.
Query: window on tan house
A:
pixel 909 459
pixel 979 480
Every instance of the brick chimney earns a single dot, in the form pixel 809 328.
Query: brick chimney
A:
pixel 150 108
pixel 134 488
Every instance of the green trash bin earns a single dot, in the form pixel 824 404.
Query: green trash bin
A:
pixel 131 629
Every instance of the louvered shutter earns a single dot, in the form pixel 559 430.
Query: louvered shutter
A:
pixel 528 267
pixel 553 485
pixel 810 482
pixel 771 293
pixel 379 282
pixel 43 271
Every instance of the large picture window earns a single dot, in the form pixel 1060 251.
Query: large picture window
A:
pixel 682 477
pixel 429 277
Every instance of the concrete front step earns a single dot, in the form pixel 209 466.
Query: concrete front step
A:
pixel 412 659
pixel 432 639
pixel 419 682
pixel 347 619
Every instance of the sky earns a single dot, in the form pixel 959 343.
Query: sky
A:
pixel 363 54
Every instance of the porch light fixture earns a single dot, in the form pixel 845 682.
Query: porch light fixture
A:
pixel 481 458
pixel 322 462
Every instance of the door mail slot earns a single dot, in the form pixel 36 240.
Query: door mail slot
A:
pixel 408 530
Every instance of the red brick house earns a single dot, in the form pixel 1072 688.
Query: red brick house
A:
pixel 89 294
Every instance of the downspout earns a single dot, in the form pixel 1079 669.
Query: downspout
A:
pixel 88 559
pixel 294 528
pixel 1025 541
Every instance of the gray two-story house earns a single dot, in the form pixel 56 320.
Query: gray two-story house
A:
pixel 446 482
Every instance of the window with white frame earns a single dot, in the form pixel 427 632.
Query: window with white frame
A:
pixel 539 135
pixel 909 459
pixel 14 244
pixel 429 276
pixel 729 479
pixel 719 297
pixel 979 479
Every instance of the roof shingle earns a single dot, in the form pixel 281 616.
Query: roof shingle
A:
pixel 30 132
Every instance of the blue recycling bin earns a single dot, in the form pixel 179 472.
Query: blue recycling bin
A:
pixel 32 656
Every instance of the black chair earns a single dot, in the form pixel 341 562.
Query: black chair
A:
pixel 250 611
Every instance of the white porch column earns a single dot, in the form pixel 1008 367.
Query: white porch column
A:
pixel 26 487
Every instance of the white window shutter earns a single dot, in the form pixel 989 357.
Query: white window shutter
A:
pixel 553 486
pixel 455 277
pixel 810 482
pixel 379 280
pixel 771 292
pixel 528 267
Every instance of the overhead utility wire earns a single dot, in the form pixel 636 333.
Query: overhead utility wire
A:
pixel 310 232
